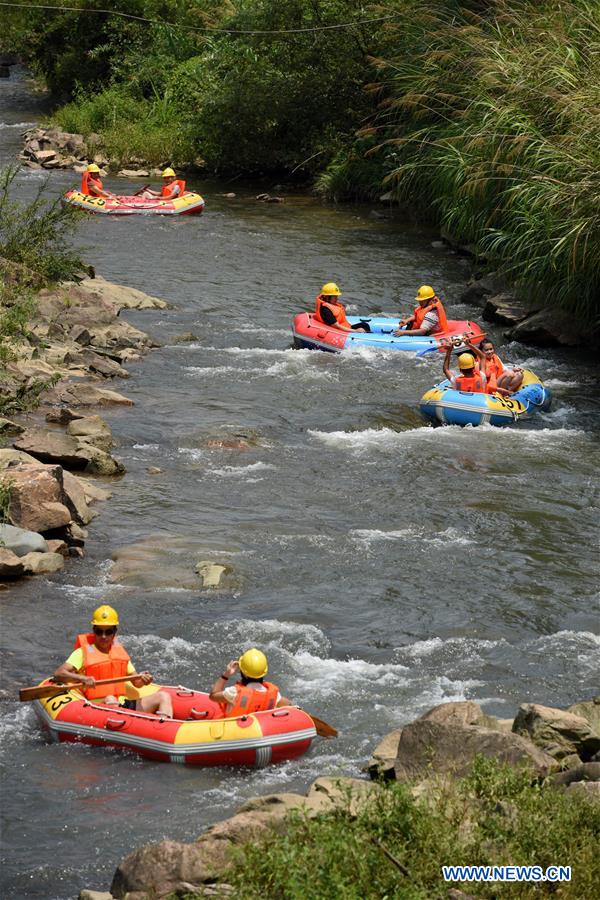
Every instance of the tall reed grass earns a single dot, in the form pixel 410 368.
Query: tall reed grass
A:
pixel 493 113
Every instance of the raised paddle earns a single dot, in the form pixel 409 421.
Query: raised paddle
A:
pixel 141 190
pixel 43 691
pixel 323 729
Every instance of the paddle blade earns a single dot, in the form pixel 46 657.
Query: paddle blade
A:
pixel 42 692
pixel 323 729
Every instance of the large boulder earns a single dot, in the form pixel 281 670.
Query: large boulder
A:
pixel 158 869
pixel 558 733
pixel 505 309
pixel 429 748
pixel 75 499
pixel 588 710
pixel 93 430
pixel 551 327
pixel 42 563
pixel 21 541
pixel 10 565
pixel 36 497
pixel 119 295
pixel 71 452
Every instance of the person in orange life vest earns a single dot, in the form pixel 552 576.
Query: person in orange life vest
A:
pixel 251 693
pixel 331 311
pixel 429 316
pixel 499 379
pixel 99 655
pixel 91 183
pixel 469 379
pixel 172 187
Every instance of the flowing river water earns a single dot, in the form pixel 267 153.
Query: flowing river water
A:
pixel 383 565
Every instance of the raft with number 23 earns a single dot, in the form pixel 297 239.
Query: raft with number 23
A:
pixel 198 735
pixel 189 204
pixel 442 405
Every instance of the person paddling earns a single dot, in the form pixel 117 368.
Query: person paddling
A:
pixel 91 183
pixel 100 655
pixel 469 379
pixel 330 310
pixel 429 316
pixel 251 693
pixel 171 187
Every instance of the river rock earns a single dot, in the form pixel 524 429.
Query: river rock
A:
pixel 71 452
pixel 161 561
pixel 75 499
pixel 42 563
pixel 80 335
pixel 37 498
pixel 429 748
pixel 384 756
pixel 10 458
pixel 7 427
pixel 86 394
pixel 133 173
pixel 86 894
pixel 551 327
pixel 590 711
pixel 99 364
pixel 120 296
pixel 93 430
pixel 558 733
pixel 505 309
pixel 10 565
pixel 478 290
pixel 43 157
pixel 589 771
pixel 58 546
pixel 210 573
pixel 21 541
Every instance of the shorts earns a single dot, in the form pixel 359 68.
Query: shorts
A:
pixel 127 704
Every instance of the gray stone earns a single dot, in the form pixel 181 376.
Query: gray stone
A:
pixel 589 790
pixel 557 732
pixel 589 771
pixel 11 565
pixel 21 541
pixel 550 327
pixel 505 309
pixel 434 748
pixel 86 894
pixel 588 710
pixel 9 427
pixel 384 756
pixel 42 563
pixel 93 430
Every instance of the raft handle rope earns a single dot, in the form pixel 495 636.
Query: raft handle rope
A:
pixel 207 29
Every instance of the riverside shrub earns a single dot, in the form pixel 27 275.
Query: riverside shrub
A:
pixel 496 816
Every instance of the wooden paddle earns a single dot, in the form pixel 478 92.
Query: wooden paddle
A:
pixel 43 691
pixel 141 190
pixel 323 729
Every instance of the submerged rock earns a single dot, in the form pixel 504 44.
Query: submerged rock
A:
pixel 161 561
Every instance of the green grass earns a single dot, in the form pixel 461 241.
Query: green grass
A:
pixel 493 817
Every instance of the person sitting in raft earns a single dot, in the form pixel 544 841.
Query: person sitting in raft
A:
pixel 469 379
pixel 251 693
pixel 429 316
pixel 171 187
pixel 99 655
pixel 91 183
pixel 331 311
pixel 499 379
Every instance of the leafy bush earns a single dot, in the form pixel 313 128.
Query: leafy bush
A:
pixel 496 816
pixel 34 235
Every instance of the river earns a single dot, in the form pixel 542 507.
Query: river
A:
pixel 383 565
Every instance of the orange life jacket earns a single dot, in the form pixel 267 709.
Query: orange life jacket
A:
pixel 103 665
pixel 85 184
pixel 338 310
pixel 470 383
pixel 493 371
pixel 421 311
pixel 249 700
pixel 167 189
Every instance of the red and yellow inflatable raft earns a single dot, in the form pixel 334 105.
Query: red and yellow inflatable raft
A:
pixel 189 204
pixel 198 735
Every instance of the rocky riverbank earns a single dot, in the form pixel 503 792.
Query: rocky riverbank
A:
pixel 52 458
pixel 558 750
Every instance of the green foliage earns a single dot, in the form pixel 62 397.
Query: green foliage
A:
pixel 493 817
pixel 35 235
pixel 6 486
pixel 494 114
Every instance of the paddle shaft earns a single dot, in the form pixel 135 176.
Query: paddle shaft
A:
pixel 42 692
pixel 323 729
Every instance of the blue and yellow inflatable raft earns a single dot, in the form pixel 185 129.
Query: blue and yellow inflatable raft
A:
pixel 442 405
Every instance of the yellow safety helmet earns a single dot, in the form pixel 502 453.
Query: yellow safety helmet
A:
pixel 253 663
pixel 105 615
pixel 331 290
pixel 425 292
pixel 92 168
pixel 466 361
pixel 169 173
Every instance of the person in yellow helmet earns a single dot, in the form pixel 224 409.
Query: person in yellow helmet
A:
pixel 470 379
pixel 171 187
pixel 251 693
pixel 429 315
pixel 91 183
pixel 330 310
pixel 99 655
